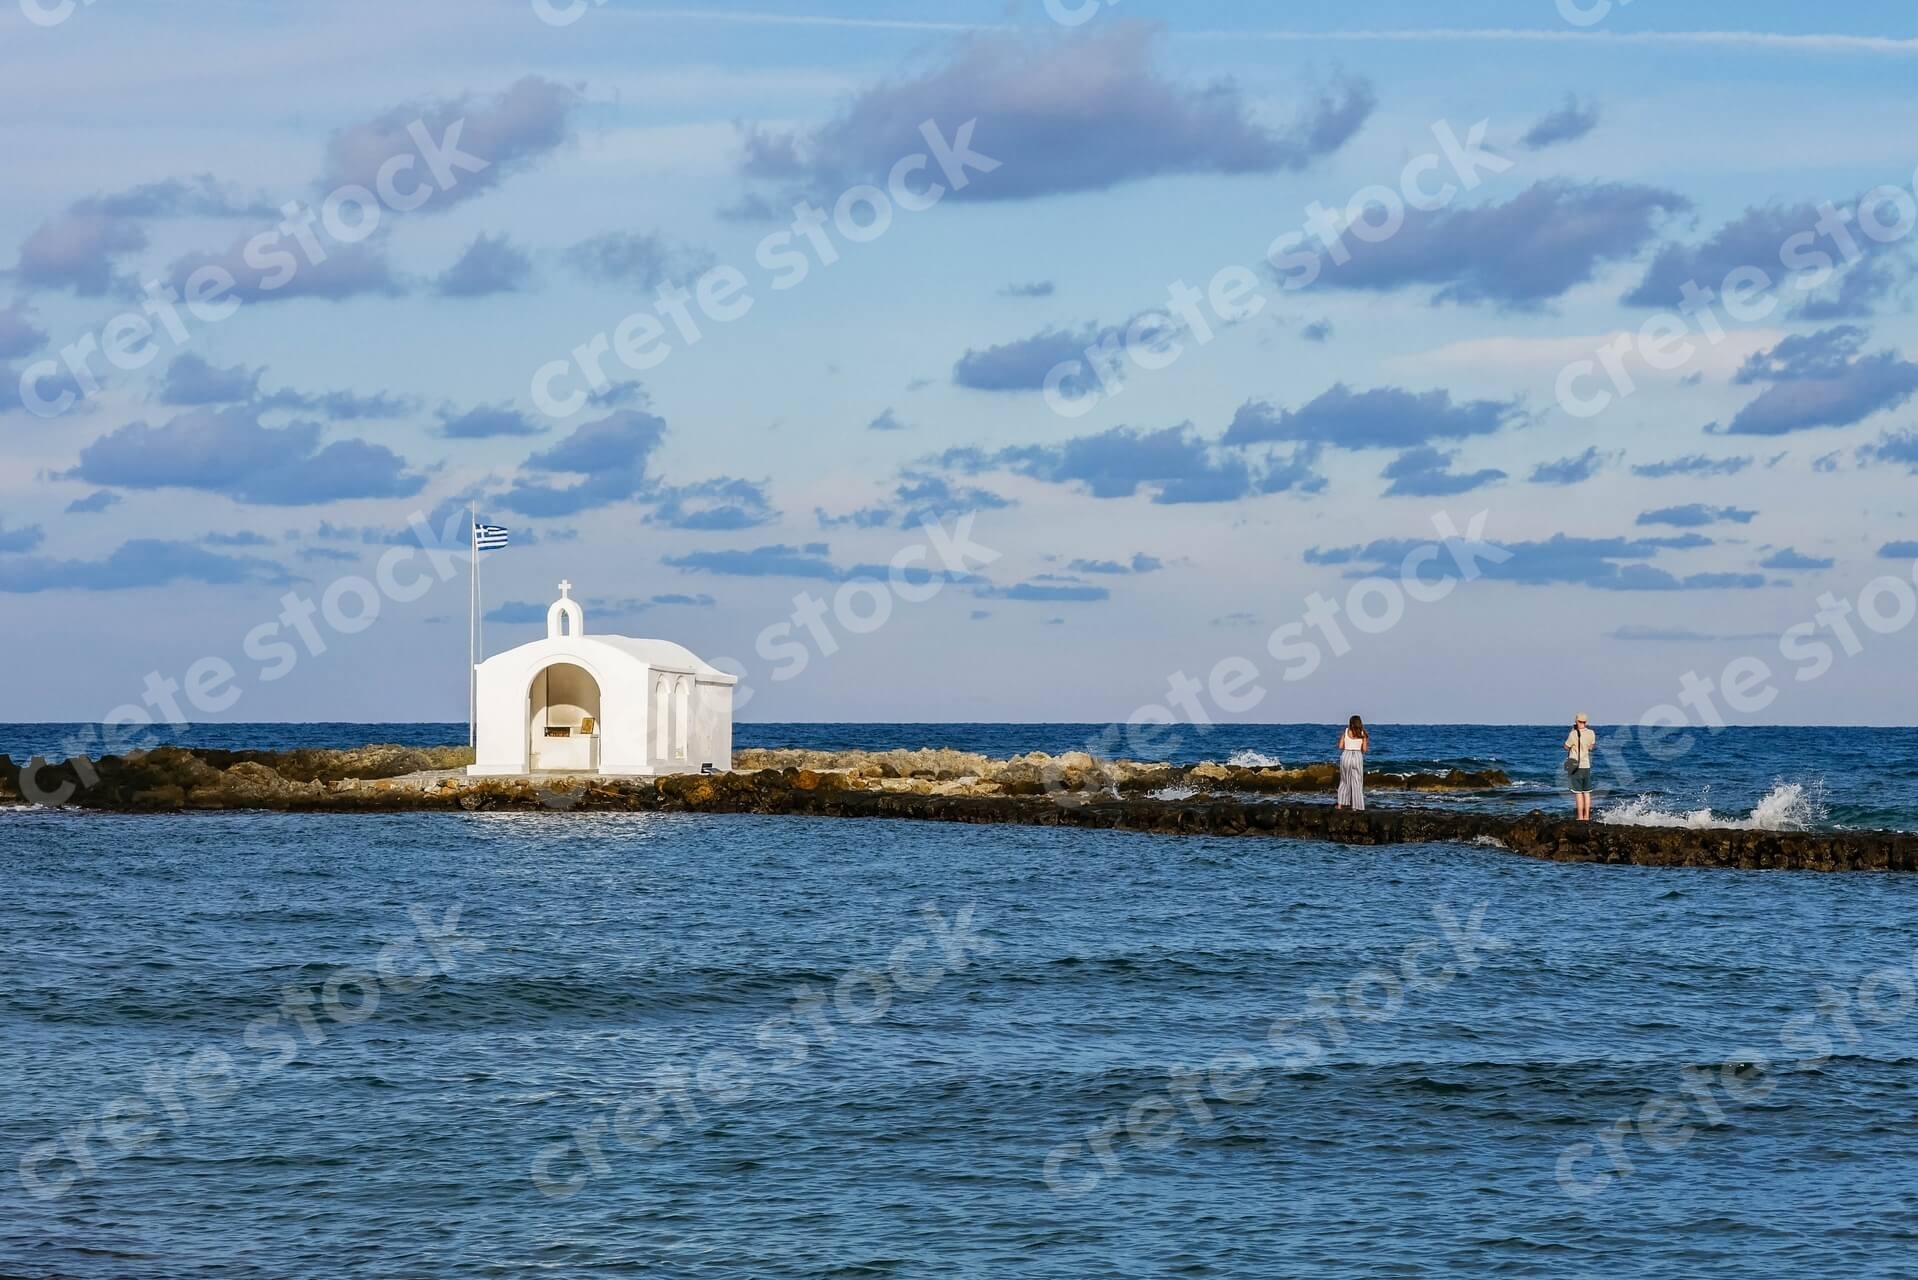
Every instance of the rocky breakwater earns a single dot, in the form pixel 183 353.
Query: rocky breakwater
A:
pixel 1077 773
pixel 1063 791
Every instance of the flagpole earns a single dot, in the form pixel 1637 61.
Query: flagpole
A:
pixel 472 628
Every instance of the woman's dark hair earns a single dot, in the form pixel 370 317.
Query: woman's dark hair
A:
pixel 1356 726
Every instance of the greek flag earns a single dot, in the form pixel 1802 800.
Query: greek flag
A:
pixel 489 537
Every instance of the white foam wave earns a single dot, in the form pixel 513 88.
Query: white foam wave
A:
pixel 1175 793
pixel 1788 806
pixel 1254 760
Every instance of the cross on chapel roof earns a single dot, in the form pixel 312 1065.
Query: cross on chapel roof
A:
pixel 565 590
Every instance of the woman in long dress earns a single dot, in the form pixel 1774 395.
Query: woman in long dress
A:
pixel 1353 744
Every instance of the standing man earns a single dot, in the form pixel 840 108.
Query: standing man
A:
pixel 1578 764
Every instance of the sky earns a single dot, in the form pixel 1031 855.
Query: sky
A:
pixel 1403 236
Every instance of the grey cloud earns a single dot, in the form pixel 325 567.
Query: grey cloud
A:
pixel 1570 122
pixel 1284 473
pixel 508 133
pixel 25 538
pixel 1140 563
pixel 491 264
pixel 190 380
pixel 343 406
pixel 1821 380
pixel 1757 238
pixel 227 451
pixel 620 395
pixel 1857 295
pixel 1575 470
pixel 1025 363
pixel 78 248
pixel 94 503
pixel 1693 464
pixel 485 422
pixel 1046 593
pixel 1034 289
pixel 644 260
pixel 715 505
pixel 517 613
pixel 1899 448
pixel 921 496
pixel 777 561
pixel 611 453
pixel 144 562
pixel 1696 515
pixel 18 334
pixel 1174 464
pixel 1425 472
pixel 1520 254
pixel 51 387
pixel 1788 558
pixel 1060 112
pixel 346 271
pixel 1382 418
pixel 1609 564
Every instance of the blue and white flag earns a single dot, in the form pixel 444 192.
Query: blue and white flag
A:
pixel 489 537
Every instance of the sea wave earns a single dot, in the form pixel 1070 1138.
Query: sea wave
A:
pixel 1788 806
pixel 1249 759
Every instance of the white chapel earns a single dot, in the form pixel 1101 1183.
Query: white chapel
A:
pixel 609 705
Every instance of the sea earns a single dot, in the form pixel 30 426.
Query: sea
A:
pixel 582 1044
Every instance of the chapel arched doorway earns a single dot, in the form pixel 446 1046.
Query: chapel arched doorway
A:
pixel 563 720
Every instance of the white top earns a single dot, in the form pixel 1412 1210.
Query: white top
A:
pixel 1348 742
pixel 1582 741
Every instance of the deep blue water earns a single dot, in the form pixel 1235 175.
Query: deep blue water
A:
pixel 1793 777
pixel 601 954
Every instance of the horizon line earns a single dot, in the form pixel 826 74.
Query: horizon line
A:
pixel 989 724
